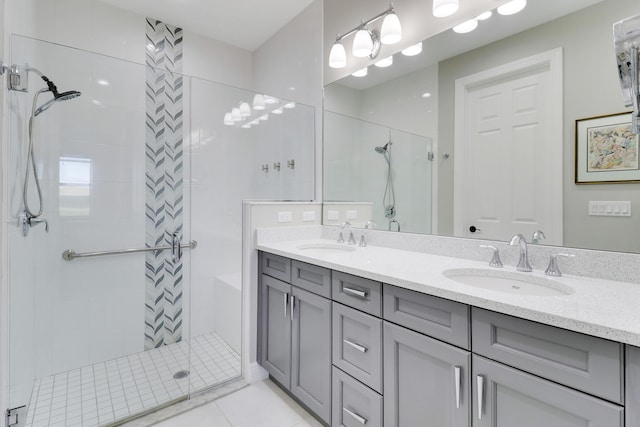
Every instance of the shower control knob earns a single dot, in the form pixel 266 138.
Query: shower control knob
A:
pixel 473 229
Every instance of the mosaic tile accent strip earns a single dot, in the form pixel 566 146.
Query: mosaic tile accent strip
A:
pixel 164 182
pixel 110 391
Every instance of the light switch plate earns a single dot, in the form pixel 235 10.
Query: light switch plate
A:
pixel 285 217
pixel 332 215
pixel 352 214
pixel 308 216
pixel 613 208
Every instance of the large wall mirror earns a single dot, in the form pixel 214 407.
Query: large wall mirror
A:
pixel 475 136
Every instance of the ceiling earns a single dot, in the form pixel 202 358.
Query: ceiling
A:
pixel 246 24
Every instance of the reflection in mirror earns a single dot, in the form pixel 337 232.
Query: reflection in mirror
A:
pixel 417 96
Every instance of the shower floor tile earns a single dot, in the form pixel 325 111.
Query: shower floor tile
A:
pixel 109 391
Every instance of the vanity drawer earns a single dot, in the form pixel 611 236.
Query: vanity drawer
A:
pixel 357 345
pixel 354 405
pixel 439 318
pixel 357 292
pixel 311 278
pixel 276 266
pixel 587 363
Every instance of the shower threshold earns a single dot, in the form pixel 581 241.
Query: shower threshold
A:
pixel 108 392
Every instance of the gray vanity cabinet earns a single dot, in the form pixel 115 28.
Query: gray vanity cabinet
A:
pixel 426 382
pixel 311 352
pixel 276 329
pixel 507 397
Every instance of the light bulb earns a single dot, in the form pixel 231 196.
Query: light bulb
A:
pixel 466 27
pixel 513 7
pixel 258 102
pixel 245 110
pixel 386 62
pixel 414 50
pixel 228 120
pixel 361 73
pixel 391 31
pixel 444 8
pixel 362 44
pixel 337 56
pixel 235 114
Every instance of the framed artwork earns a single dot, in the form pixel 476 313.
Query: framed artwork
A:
pixel 606 150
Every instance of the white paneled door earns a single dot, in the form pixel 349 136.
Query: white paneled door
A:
pixel 508 150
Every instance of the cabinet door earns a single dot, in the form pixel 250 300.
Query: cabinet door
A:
pixel 507 397
pixel 426 382
pixel 276 327
pixel 311 352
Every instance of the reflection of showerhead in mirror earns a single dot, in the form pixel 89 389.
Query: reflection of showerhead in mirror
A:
pixel 383 150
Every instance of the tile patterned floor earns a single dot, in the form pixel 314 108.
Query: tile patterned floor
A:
pixel 258 405
pixel 105 392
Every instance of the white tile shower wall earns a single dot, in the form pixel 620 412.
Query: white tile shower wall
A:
pixel 257 214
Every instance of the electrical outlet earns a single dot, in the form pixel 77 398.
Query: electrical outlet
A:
pixel 285 217
pixel 308 216
pixel 332 215
pixel 352 214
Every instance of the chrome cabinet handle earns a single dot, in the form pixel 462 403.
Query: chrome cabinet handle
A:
pixel 480 380
pixel 292 305
pixel 286 303
pixel 357 417
pixel 355 292
pixel 457 370
pixel 358 347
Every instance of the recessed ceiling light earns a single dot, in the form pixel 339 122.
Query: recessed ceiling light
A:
pixel 485 15
pixel 361 73
pixel 513 7
pixel 270 99
pixel 466 27
pixel 290 105
pixel 102 82
pixel 444 8
pixel 386 62
pixel 277 111
pixel 414 50
pixel 426 95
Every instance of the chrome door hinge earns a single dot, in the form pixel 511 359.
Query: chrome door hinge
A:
pixel 17 416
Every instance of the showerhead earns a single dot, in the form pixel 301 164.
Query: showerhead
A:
pixel 382 150
pixel 64 96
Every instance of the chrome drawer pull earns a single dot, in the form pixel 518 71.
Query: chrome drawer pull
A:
pixel 286 303
pixel 456 375
pixel 358 418
pixel 355 292
pixel 480 379
pixel 358 347
pixel 293 305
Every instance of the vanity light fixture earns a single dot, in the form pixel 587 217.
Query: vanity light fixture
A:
pixel 511 8
pixel 466 27
pixel 384 63
pixel 245 110
pixel 414 50
pixel 228 120
pixel 366 42
pixel 258 102
pixel 235 114
pixel 361 73
pixel 444 8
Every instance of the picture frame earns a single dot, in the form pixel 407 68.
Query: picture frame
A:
pixel 606 150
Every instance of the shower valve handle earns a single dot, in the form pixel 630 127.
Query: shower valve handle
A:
pixel 36 221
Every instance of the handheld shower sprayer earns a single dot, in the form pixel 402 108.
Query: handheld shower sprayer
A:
pixel 31 217
pixel 626 38
pixel 389 198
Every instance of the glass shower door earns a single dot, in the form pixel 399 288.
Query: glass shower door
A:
pixel 94 340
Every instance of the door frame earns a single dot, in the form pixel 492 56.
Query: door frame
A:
pixel 550 60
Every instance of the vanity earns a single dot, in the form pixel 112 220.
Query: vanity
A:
pixel 380 336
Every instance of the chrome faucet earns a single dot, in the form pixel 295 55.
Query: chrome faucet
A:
pixel 28 222
pixel 537 236
pixel 368 225
pixel 523 262
pixel 352 239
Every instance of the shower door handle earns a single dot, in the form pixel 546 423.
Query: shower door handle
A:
pixel 176 247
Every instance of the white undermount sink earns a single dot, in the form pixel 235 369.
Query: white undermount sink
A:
pixel 327 247
pixel 508 282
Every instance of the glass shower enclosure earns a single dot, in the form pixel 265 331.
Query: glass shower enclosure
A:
pixel 141 160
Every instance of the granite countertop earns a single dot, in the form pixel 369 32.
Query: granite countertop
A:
pixel 602 308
